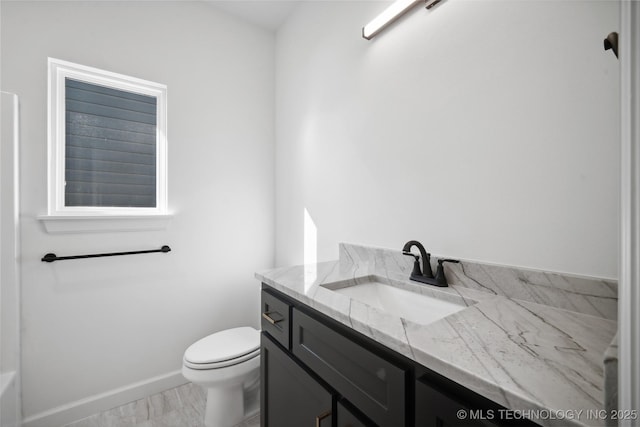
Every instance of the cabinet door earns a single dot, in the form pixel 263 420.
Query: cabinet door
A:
pixel 435 408
pixel 290 396
pixel 348 419
pixel 371 383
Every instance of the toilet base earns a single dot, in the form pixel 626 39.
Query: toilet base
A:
pixel 225 406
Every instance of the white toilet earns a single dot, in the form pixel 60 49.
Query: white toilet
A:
pixel 227 365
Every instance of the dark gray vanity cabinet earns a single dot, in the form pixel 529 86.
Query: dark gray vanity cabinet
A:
pixel 290 396
pixel 439 408
pixel 317 372
pixel 370 382
pixel 315 376
pixel 346 418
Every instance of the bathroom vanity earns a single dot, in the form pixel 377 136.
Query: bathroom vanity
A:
pixel 336 351
pixel 316 372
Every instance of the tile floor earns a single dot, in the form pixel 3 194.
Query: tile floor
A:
pixel 179 407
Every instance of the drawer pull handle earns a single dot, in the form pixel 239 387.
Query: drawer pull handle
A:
pixel 266 316
pixel 321 417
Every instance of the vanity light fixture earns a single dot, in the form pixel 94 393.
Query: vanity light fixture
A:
pixel 390 14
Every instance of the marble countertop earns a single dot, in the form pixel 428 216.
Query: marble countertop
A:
pixel 537 359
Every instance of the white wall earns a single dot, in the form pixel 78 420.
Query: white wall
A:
pixel 488 130
pixel 9 263
pixel 92 326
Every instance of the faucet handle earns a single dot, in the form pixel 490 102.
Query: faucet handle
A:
pixel 417 257
pixel 416 263
pixel 441 279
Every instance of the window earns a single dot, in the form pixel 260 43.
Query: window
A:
pixel 107 143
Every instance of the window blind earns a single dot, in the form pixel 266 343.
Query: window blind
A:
pixel 110 144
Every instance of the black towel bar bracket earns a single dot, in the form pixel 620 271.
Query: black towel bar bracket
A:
pixel 51 257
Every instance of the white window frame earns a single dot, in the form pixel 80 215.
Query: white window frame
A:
pixel 58 71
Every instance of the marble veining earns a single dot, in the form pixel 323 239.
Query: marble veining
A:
pixel 597 297
pixel 528 340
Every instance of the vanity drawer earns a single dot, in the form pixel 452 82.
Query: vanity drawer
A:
pixel 275 318
pixel 372 384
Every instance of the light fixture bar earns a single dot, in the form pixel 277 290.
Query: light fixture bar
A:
pixel 390 14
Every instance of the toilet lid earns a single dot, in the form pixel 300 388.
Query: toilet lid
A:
pixel 224 345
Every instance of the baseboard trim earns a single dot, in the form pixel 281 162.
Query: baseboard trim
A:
pixel 82 408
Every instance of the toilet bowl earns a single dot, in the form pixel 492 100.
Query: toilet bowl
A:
pixel 227 365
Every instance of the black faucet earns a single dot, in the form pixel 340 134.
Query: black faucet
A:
pixel 417 274
pixel 426 259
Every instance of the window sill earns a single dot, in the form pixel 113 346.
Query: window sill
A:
pixel 99 224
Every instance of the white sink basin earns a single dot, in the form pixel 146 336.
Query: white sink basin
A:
pixel 412 306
